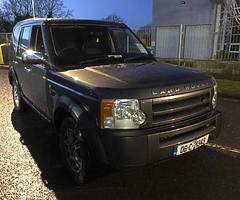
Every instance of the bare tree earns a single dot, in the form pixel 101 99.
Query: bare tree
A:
pixel 5 25
pixel 17 10
pixel 52 8
pixel 114 18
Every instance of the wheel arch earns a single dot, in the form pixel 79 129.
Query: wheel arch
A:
pixel 66 107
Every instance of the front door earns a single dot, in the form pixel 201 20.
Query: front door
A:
pixel 37 80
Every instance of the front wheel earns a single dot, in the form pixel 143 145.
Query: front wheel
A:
pixel 74 149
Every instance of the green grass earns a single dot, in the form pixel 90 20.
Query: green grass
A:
pixel 228 86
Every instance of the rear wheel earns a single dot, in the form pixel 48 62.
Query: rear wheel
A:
pixel 19 104
pixel 74 149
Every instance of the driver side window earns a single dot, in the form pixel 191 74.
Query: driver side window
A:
pixel 37 40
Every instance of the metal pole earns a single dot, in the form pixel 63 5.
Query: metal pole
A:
pixel 180 44
pixel 33 8
pixel 6 38
pixel 127 44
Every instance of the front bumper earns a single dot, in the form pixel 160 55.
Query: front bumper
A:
pixel 142 147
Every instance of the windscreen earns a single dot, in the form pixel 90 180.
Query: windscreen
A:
pixel 73 44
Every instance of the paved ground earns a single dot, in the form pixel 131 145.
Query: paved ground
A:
pixel 30 167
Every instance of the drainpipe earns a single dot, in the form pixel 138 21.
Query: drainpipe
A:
pixel 217 29
pixel 180 44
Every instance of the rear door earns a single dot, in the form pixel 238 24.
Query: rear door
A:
pixel 22 69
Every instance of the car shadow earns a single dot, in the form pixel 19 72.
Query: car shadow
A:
pixel 202 174
pixel 41 139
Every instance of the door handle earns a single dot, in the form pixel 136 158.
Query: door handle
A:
pixel 52 90
pixel 27 69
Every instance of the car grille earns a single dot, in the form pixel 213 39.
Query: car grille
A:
pixel 175 109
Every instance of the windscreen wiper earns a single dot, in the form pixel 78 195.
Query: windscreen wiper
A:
pixel 142 56
pixel 107 57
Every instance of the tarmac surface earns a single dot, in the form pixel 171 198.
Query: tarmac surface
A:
pixel 31 168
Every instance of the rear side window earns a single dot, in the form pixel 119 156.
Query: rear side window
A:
pixel 24 43
pixel 15 38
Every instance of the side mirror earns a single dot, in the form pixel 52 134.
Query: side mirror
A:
pixel 151 50
pixel 33 57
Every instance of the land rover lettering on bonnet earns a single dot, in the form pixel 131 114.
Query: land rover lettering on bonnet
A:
pixel 108 98
pixel 184 88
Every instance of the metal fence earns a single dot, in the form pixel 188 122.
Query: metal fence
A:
pixel 144 35
pixel 5 38
pixel 196 42
pixel 4 47
pixel 184 42
pixel 229 39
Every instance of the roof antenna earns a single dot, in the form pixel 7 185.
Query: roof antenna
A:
pixel 33 8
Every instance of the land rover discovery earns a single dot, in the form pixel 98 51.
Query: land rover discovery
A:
pixel 107 96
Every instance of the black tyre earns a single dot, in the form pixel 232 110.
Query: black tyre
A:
pixel 19 103
pixel 74 149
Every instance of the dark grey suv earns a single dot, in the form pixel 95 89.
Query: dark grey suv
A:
pixel 108 98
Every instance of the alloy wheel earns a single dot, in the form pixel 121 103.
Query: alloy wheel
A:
pixel 72 147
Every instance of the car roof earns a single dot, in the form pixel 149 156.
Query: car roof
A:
pixel 68 21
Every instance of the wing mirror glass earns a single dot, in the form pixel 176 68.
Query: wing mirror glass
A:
pixel 151 50
pixel 33 57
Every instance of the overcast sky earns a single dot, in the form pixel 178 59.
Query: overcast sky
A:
pixel 135 12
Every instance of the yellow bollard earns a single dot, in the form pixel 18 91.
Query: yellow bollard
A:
pixel 4 53
pixel 1 55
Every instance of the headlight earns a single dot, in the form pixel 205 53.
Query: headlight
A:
pixel 121 114
pixel 214 98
